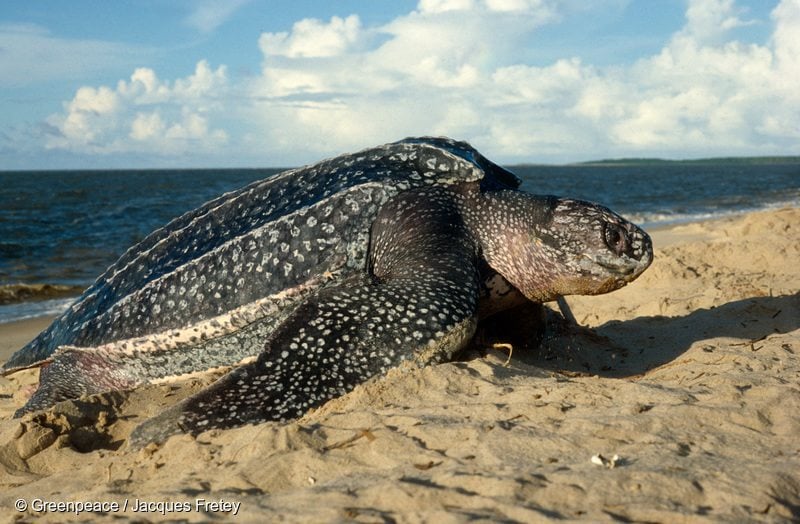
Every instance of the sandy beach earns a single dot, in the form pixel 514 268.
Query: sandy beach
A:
pixel 676 399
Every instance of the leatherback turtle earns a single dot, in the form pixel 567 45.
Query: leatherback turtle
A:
pixel 316 279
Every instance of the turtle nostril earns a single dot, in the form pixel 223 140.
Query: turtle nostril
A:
pixel 616 239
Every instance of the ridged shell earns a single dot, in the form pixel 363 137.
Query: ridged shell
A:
pixel 255 252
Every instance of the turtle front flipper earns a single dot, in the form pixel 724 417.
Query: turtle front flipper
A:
pixel 417 301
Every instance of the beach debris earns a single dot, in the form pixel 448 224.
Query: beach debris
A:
pixel 509 347
pixel 364 433
pixel 609 463
pixel 427 465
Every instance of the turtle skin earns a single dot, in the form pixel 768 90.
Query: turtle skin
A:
pixel 318 279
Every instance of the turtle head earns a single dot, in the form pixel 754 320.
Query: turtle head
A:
pixel 594 249
pixel 547 246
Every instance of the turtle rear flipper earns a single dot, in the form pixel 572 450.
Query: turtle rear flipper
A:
pixel 416 302
pixel 72 373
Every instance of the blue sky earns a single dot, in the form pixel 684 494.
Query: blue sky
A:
pixel 96 84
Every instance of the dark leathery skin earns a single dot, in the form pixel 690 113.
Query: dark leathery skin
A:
pixel 207 261
pixel 417 302
pixel 318 279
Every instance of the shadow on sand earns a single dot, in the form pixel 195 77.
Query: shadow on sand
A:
pixel 633 347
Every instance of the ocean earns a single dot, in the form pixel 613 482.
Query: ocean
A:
pixel 63 228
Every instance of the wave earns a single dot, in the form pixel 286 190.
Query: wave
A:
pixel 42 308
pixel 23 301
pixel 671 218
pixel 16 293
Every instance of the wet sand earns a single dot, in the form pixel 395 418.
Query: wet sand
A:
pixel 14 335
pixel 690 376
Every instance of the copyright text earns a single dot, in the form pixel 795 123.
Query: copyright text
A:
pixel 78 507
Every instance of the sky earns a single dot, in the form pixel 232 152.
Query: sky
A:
pixel 255 83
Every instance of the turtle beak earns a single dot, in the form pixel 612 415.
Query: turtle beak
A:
pixel 641 246
pixel 640 249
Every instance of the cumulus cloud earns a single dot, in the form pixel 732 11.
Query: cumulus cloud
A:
pixel 704 91
pixel 313 38
pixel 143 114
pixel 452 67
pixel 347 85
pixel 458 67
pixel 707 21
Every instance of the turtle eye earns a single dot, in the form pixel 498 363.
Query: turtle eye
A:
pixel 616 238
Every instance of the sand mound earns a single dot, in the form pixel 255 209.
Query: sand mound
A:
pixel 689 376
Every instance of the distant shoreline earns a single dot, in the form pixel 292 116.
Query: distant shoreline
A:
pixel 609 162
pixel 614 162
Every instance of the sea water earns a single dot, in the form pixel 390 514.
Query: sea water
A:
pixel 67 227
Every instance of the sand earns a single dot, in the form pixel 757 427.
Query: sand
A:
pixel 684 387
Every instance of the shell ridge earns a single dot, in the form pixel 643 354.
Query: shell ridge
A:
pixel 138 296
pixel 190 220
pixel 393 167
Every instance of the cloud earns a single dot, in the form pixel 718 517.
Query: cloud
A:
pixel 443 69
pixel 30 53
pixel 143 114
pixel 707 21
pixel 418 74
pixel 441 6
pixel 209 14
pixel 705 92
pixel 458 67
pixel 312 38
pixel 786 42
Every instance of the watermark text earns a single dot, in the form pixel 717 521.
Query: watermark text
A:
pixel 135 505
